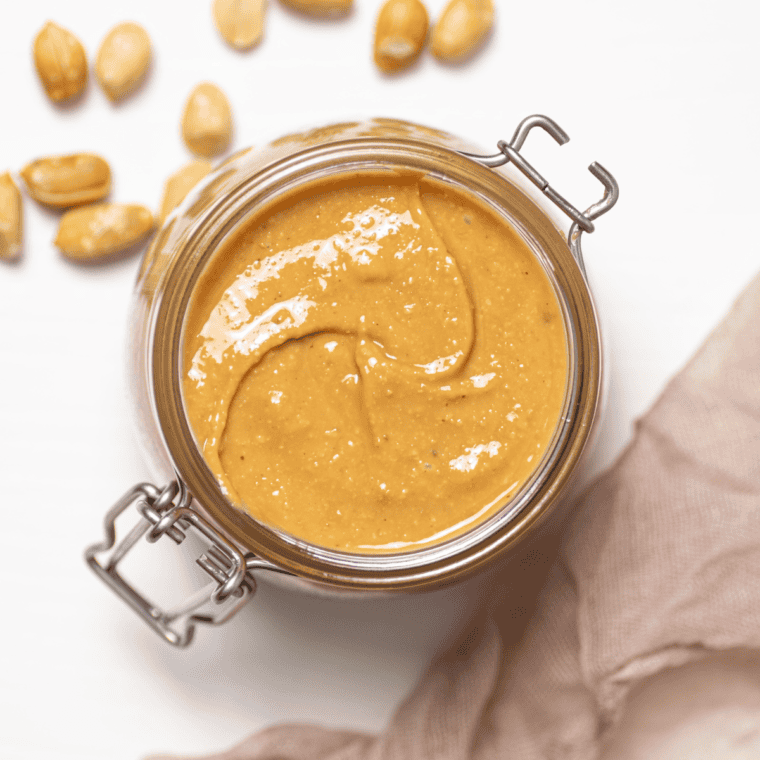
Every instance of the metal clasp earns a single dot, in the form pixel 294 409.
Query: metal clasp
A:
pixel 167 512
pixel 510 152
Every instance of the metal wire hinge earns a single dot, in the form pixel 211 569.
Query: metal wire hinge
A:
pixel 167 512
pixel 510 152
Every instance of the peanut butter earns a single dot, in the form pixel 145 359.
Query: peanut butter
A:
pixel 375 365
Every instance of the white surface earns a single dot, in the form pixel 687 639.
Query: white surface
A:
pixel 663 94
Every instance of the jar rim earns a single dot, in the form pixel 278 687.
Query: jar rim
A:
pixel 222 215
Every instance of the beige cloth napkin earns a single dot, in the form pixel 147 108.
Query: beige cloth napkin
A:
pixel 657 566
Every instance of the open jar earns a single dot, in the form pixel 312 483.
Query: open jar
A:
pixel 191 496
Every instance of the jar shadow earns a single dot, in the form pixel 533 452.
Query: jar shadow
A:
pixel 271 662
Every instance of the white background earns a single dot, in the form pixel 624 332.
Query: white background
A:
pixel 663 94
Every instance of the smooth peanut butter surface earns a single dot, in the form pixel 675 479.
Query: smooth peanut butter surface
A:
pixel 375 366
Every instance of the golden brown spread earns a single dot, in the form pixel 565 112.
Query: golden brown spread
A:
pixel 375 365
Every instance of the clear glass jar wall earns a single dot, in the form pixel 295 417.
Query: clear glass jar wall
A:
pixel 253 179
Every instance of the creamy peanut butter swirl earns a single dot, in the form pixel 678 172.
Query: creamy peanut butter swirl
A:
pixel 375 367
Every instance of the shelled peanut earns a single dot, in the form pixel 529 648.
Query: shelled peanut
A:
pixel 98 231
pixel 461 28
pixel 123 60
pixel 11 218
pixel 61 62
pixel 400 34
pixel 240 22
pixel 320 7
pixel 65 181
pixel 207 121
pixel 180 184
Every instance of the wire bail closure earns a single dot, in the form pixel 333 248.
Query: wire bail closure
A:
pixel 167 512
pixel 510 153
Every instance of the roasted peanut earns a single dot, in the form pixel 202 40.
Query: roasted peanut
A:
pixel 207 121
pixel 123 59
pixel 461 28
pixel 180 184
pixel 400 34
pixel 11 218
pixel 240 22
pixel 320 7
pixel 61 62
pixel 64 181
pixel 94 232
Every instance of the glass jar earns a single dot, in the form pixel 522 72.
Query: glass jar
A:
pixel 239 546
